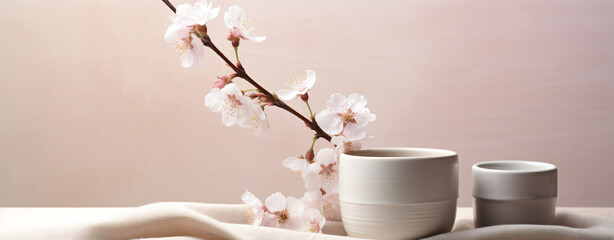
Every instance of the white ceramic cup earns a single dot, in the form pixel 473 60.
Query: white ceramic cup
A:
pixel 514 192
pixel 398 193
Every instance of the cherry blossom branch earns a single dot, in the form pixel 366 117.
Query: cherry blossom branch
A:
pixel 312 124
pixel 240 72
pixel 170 5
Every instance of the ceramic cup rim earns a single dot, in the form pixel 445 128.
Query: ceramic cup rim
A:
pixel 427 153
pixel 514 167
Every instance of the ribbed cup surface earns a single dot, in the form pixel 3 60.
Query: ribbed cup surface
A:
pixel 410 221
pixel 398 193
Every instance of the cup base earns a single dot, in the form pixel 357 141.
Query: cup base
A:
pixel 398 221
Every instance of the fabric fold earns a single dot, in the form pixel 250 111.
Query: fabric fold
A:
pixel 193 221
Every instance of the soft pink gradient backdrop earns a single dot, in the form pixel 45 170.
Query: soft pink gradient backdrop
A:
pixel 95 109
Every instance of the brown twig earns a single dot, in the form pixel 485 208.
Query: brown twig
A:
pixel 170 5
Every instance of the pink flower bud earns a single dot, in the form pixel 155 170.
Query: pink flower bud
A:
pixel 309 155
pixel 219 83
pixel 304 97
pixel 222 81
pixel 233 34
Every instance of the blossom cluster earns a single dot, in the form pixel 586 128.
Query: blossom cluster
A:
pixel 342 122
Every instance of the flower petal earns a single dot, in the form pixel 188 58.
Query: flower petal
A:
pixel 287 94
pixel 184 10
pixel 330 206
pixel 357 101
pixel 311 199
pixel 250 199
pixel 270 220
pixel 232 89
pixel 294 206
pixel 338 140
pixel 258 111
pixel 247 115
pixel 253 201
pixel 233 16
pixel 259 127
pixel 354 132
pixel 364 117
pixel 264 129
pixel 253 37
pixel 175 32
pixel 294 223
pixel 295 164
pixel 352 99
pixel 330 121
pixel 230 115
pixel 310 80
pixel 197 53
pixel 276 202
pixel 325 156
pixel 200 13
pixel 311 177
pixel 214 100
pixel 314 220
pixel 330 182
pixel 336 102
pixel 348 146
pixel 204 12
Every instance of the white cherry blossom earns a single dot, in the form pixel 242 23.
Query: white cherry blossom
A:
pixel 313 221
pixel 257 207
pixel 299 85
pixel 240 25
pixel 328 204
pixel 179 33
pixel 258 123
pixel 283 212
pixel 323 172
pixel 235 108
pixel 343 145
pixel 296 164
pixel 200 13
pixel 311 199
pixel 347 116
pixel 189 47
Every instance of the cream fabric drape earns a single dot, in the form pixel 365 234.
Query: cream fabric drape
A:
pixel 190 221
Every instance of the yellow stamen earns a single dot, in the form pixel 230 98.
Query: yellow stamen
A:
pixel 283 216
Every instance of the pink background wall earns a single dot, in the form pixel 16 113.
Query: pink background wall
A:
pixel 95 109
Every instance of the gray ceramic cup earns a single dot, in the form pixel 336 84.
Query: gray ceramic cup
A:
pixel 514 192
